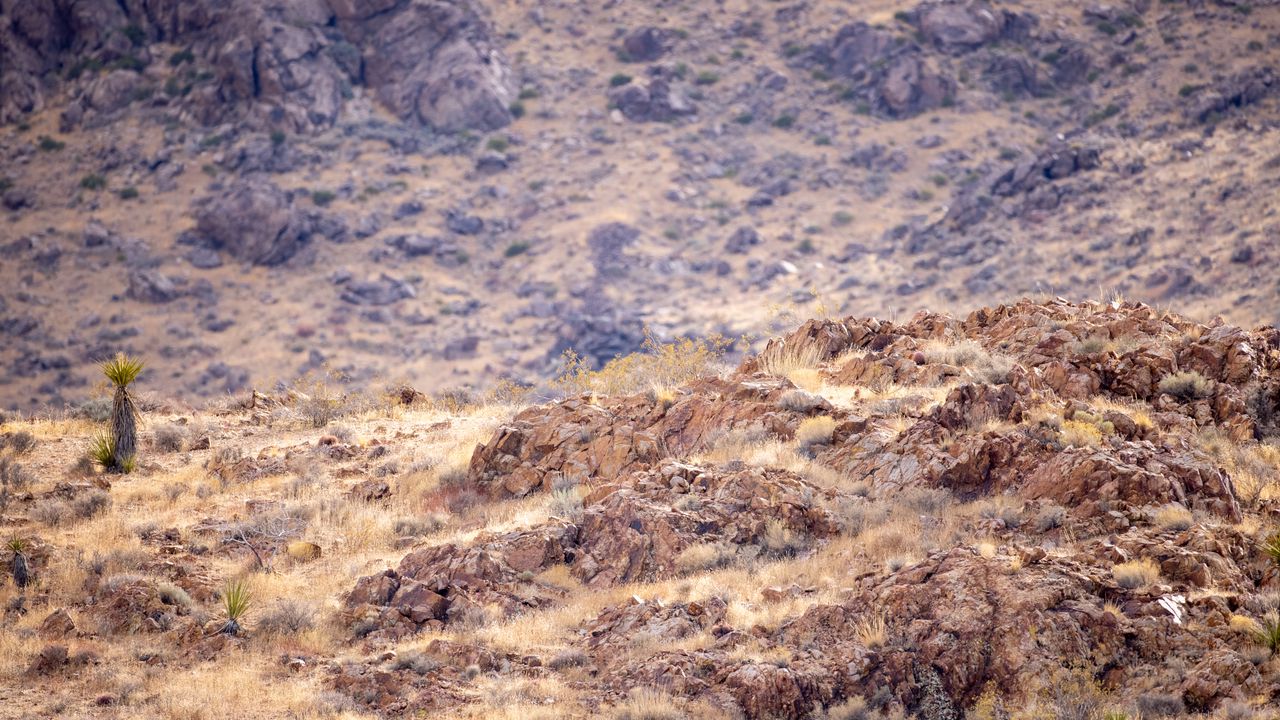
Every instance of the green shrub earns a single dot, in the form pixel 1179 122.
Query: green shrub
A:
pixel 517 109
pixel 93 181
pixel 129 193
pixel 48 144
pixel 706 77
pixel 322 197
pixel 497 144
pixel 278 137
pixel 516 248
pixel 619 79
pixel 784 122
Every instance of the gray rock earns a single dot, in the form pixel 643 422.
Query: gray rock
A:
pixel 151 286
pixel 255 222
pixel 383 291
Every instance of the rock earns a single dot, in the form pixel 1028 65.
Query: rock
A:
pixel 645 44
pixel 204 258
pixel 461 81
pixel 57 624
pixel 151 286
pixel 383 291
pixel 661 100
pixel 370 490
pixel 419 604
pixel 743 239
pixel 255 222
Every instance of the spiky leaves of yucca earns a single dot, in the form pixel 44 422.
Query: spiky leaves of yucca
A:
pixel 21 569
pixel 121 371
pixel 235 600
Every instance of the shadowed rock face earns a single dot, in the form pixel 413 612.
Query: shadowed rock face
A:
pixel 956 624
pixel 289 65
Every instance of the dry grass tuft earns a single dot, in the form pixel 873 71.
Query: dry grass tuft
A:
pixel 1136 573
pixel 815 430
pixel 1174 517
pixel 1185 386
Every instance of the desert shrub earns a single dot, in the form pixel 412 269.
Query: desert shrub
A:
pixel 780 541
pixel 95 409
pixel 1136 573
pixel 703 557
pixel 171 594
pixel 800 401
pixel 317 399
pixel 21 442
pixel 1189 385
pixel 90 503
pixel 619 79
pixel 977 362
pixel 657 365
pixel 815 431
pixel 169 438
pixel 1153 705
pixel 13 476
pixel 1272 548
pixel 1078 433
pixel 50 511
pixel 93 181
pixel 287 617
pixel 571 657
pixel 418 662
pixel 566 504
pixel 1174 517
pixel 854 708
pixel 323 198
pixel 648 704
pixel 1254 467
pixel 419 526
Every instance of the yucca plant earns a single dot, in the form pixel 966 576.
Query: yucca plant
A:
pixel 21 568
pixel 1268 632
pixel 103 452
pixel 121 371
pixel 1272 548
pixel 235 601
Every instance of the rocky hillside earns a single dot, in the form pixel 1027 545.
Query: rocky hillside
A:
pixel 450 192
pixel 1037 510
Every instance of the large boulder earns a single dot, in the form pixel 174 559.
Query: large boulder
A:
pixel 433 62
pixel 255 222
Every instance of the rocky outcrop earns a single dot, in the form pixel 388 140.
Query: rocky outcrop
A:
pixel 284 66
pixel 892 75
pixel 254 222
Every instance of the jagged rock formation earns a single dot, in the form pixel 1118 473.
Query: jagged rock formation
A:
pixel 285 65
pixel 958 623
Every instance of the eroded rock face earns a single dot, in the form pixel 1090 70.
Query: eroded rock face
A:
pixel 287 66
pixel 929 634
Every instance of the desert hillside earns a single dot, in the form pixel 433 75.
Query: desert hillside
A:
pixel 451 193
pixel 1037 510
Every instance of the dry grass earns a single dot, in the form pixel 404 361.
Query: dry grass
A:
pixel 872 631
pixel 815 430
pixel 1254 467
pixel 658 368
pixel 1174 517
pixel 978 363
pixel 1077 433
pixel 1136 574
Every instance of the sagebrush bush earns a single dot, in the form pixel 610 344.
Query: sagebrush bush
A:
pixel 14 476
pixel 780 541
pixel 170 438
pixel 21 442
pixel 656 366
pixel 977 362
pixel 287 617
pixel 702 557
pixel 1188 385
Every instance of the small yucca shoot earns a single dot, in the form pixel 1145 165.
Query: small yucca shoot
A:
pixel 1272 548
pixel 121 371
pixel 103 452
pixel 235 601
pixel 1268 634
pixel 21 569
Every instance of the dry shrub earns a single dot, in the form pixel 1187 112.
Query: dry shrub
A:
pixel 169 438
pixel 796 362
pixel 287 617
pixel 703 557
pixel 815 431
pixel 780 541
pixel 1078 433
pixel 1189 385
pixel 20 442
pixel 1254 467
pixel 1174 517
pixel 872 631
pixel 657 367
pixel 648 704
pixel 977 362
pixel 1136 573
